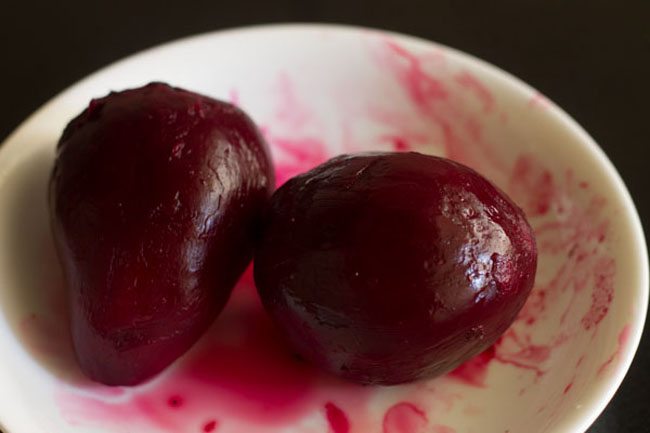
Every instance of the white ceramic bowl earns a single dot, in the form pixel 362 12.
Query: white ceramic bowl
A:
pixel 318 91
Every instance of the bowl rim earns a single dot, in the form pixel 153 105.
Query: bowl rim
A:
pixel 597 400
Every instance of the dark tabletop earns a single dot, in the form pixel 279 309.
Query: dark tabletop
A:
pixel 591 57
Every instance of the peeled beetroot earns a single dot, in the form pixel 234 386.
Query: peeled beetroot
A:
pixel 154 200
pixel 389 267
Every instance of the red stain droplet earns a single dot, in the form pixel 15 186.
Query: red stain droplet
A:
pixel 474 371
pixel 337 419
pixel 175 401
pixel 405 417
pixel 400 144
pixel 623 337
pixel 210 426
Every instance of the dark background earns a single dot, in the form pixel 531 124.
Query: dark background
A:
pixel 591 57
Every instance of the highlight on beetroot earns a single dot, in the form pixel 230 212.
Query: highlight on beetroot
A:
pixel 385 268
pixel 154 199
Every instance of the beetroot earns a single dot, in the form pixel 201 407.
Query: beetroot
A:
pixel 154 200
pixel 389 267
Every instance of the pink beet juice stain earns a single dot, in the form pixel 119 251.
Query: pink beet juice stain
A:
pixel 298 151
pixel 473 84
pixel 438 98
pixel 405 417
pixel 623 338
pixel 210 426
pixel 567 388
pixel 426 92
pixel 474 371
pixel 268 382
pixel 296 155
pixel 337 419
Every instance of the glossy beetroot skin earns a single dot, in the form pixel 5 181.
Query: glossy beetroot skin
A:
pixel 154 198
pixel 385 268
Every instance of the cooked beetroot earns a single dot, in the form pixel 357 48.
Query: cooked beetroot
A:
pixel 154 200
pixel 388 267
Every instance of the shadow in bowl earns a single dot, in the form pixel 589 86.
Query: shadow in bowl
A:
pixel 35 301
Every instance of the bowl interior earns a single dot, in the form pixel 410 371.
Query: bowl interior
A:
pixel 318 91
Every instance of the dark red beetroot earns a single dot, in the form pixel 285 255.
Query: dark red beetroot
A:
pixel 388 267
pixel 154 199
